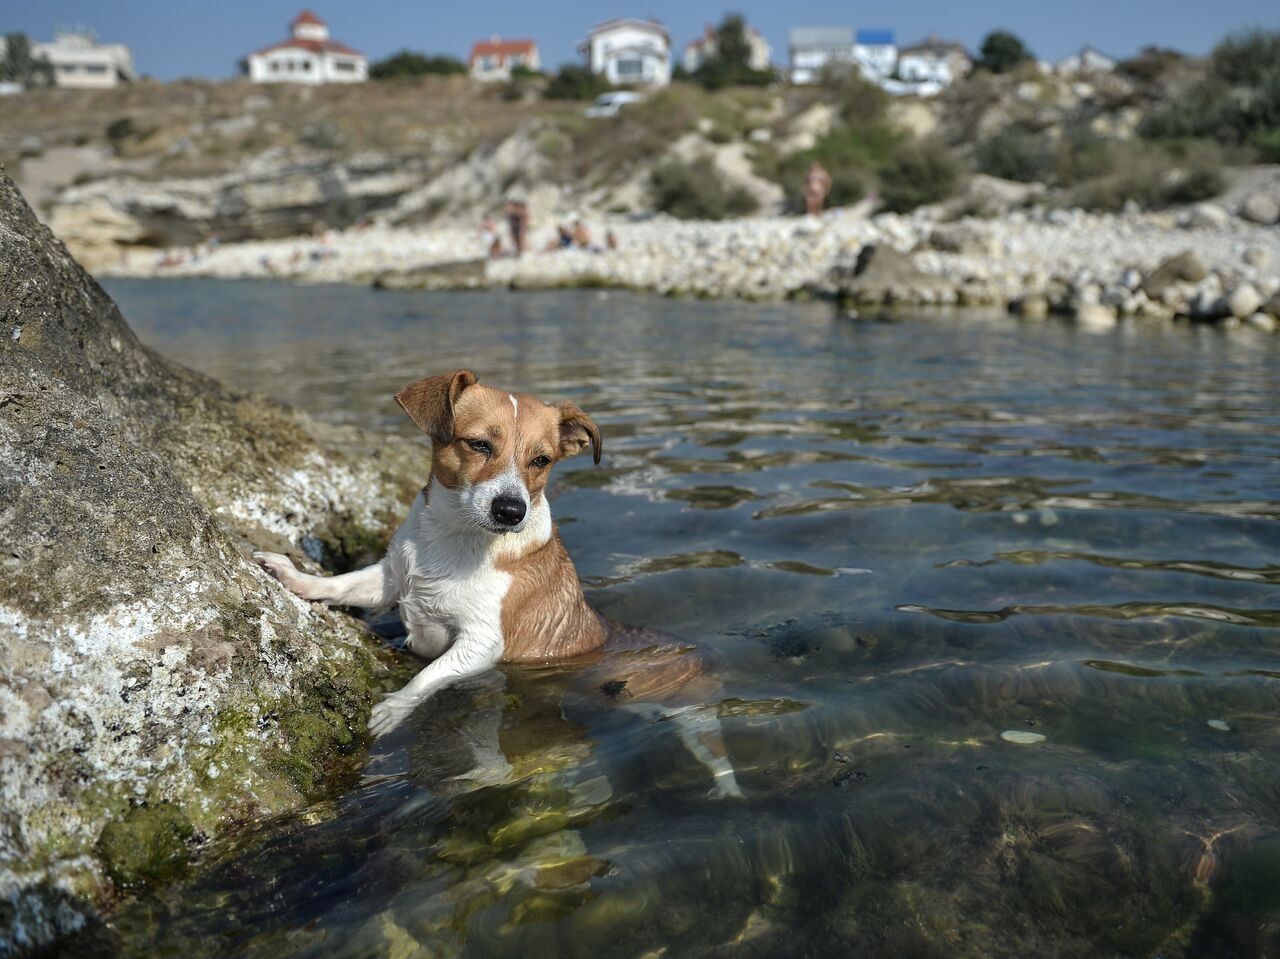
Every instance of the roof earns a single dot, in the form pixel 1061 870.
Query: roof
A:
pixel 501 48
pixel 821 36
pixel 936 46
pixel 651 25
pixel 311 46
pixel 875 38
pixel 1085 51
pixel 306 16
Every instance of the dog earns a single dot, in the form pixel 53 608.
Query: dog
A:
pixel 481 576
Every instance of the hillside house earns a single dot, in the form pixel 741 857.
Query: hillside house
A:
pixel 1084 61
pixel 813 49
pixel 629 52
pixel 80 62
pixel 699 51
pixel 493 59
pixel 934 61
pixel 876 54
pixel 308 56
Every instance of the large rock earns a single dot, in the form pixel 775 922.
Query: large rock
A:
pixel 1183 268
pixel 155 686
pixel 882 275
pixel 1262 207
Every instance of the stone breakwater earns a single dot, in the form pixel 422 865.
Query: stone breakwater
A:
pixel 1095 267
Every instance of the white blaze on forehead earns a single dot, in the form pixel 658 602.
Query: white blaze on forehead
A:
pixel 514 405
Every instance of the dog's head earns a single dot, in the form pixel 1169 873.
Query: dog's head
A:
pixel 495 449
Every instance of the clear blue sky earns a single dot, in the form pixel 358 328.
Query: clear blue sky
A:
pixel 177 38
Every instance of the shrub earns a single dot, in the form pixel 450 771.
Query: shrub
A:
pixel 1015 154
pixel 575 82
pixel 696 190
pixel 1244 58
pixel 121 129
pixel 408 63
pixel 920 172
pixel 1152 177
pixel 1151 64
pixel 1001 51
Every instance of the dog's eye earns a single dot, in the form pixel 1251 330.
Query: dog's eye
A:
pixel 483 447
pixel 540 461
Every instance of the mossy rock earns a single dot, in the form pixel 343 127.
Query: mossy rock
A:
pixel 150 844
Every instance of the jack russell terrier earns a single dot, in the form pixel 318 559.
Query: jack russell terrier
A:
pixel 481 576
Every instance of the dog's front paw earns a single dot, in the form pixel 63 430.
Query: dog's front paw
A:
pixel 725 787
pixel 390 713
pixel 282 568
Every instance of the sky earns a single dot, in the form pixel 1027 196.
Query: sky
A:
pixel 180 38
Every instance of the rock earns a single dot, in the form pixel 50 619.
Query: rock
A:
pixel 1033 306
pixel 1244 301
pixel 1263 322
pixel 1095 316
pixel 1183 268
pixel 1022 738
pixel 881 274
pixel 1272 306
pixel 158 686
pixel 967 239
pixel 1257 256
pixel 1131 279
pixel 1205 216
pixel 1262 208
pixel 1208 304
pixel 1218 724
pixel 457 275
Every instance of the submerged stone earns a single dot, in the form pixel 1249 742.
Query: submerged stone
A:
pixel 1219 725
pixel 1022 737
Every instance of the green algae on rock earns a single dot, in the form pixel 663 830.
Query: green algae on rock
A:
pixel 158 687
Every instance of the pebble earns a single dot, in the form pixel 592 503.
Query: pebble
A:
pixel 1022 737
pixel 1219 725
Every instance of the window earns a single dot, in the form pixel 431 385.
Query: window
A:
pixel 67 67
pixel 486 63
pixel 344 66
pixel 630 68
pixel 275 66
pixel 306 65
pixel 95 68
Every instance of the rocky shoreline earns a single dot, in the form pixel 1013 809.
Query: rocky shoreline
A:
pixel 1204 262
pixel 158 689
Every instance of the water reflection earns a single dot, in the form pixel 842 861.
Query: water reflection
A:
pixel 895 544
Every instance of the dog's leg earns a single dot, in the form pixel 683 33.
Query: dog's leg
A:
pixel 474 651
pixel 699 729
pixel 427 640
pixel 369 587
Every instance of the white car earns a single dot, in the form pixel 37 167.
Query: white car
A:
pixel 608 104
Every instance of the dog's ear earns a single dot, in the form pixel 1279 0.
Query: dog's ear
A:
pixel 429 402
pixel 577 429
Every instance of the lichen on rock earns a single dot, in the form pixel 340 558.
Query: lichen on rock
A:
pixel 156 687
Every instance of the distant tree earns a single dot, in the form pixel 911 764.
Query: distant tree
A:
pixel 730 65
pixel 1001 51
pixel 575 82
pixel 409 63
pixel 1247 58
pixel 1152 63
pixel 18 65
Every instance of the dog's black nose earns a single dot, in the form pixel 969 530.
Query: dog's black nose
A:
pixel 507 510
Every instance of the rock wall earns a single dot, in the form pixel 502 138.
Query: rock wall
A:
pixel 156 688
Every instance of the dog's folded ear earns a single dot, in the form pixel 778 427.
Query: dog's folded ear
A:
pixel 577 429
pixel 429 402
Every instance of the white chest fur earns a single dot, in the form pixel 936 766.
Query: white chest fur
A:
pixel 445 567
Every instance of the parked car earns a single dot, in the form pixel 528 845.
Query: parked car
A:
pixel 608 104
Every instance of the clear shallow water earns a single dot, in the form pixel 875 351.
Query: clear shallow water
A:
pixel 896 542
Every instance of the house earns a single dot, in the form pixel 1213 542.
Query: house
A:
pixel 629 52
pixel 699 51
pixel 494 59
pixel 80 62
pixel 934 61
pixel 1084 61
pixel 813 49
pixel 876 54
pixel 308 56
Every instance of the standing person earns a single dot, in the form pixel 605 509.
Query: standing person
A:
pixel 518 224
pixel 817 184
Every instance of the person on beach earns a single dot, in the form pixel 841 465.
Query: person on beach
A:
pixel 518 224
pixel 817 184
pixel 489 237
pixel 581 237
pixel 611 240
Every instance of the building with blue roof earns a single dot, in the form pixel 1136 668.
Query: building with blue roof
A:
pixel 876 54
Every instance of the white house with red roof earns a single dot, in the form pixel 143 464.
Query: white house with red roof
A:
pixel 495 58
pixel 629 52
pixel 308 56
